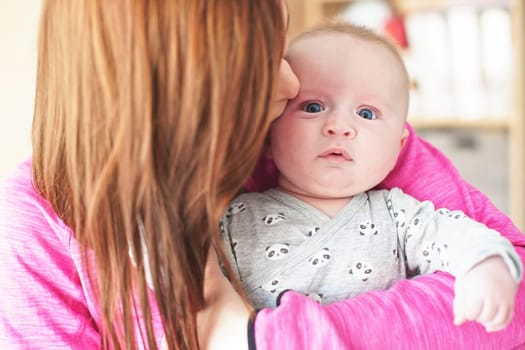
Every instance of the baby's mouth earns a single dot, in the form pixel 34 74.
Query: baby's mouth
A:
pixel 336 154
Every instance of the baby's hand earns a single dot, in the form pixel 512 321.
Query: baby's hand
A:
pixel 485 294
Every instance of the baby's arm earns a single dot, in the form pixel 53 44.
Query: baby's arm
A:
pixel 485 294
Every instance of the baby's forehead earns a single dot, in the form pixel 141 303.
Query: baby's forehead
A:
pixel 333 40
pixel 330 45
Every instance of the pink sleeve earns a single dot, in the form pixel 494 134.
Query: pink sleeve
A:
pixel 42 302
pixel 413 314
pixel 46 300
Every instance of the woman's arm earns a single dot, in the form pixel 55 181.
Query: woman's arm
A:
pixel 413 314
pixel 222 322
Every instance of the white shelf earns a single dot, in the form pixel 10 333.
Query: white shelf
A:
pixel 455 122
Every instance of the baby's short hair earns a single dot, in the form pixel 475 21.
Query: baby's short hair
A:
pixel 356 31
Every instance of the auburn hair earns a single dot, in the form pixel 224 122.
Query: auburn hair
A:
pixel 149 116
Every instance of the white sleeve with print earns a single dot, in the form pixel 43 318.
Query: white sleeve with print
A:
pixel 440 239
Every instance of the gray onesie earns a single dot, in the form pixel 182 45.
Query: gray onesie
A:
pixel 276 242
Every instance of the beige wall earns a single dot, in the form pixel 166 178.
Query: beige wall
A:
pixel 18 31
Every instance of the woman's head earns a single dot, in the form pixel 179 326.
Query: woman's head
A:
pixel 152 112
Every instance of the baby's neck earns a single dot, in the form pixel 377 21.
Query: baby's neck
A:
pixel 329 206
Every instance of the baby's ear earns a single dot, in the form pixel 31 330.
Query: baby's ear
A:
pixel 404 136
pixel 267 148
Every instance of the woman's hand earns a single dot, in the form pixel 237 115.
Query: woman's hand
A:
pixel 224 320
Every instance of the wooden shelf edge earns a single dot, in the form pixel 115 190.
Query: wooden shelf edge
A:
pixel 498 124
pixel 409 6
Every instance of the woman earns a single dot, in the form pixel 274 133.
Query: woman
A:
pixel 148 118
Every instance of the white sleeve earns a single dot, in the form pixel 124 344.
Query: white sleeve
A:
pixel 446 240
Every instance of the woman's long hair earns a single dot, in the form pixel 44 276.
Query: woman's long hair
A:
pixel 149 116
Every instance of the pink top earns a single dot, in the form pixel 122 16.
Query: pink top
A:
pixel 46 301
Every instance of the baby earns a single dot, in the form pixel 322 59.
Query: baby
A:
pixel 323 230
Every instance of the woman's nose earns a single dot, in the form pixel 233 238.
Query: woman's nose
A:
pixel 339 125
pixel 288 82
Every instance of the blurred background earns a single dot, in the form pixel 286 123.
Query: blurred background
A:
pixel 18 33
pixel 465 59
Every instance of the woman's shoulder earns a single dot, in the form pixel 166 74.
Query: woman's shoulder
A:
pixel 43 288
pixel 24 213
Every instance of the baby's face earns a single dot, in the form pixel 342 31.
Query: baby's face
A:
pixel 343 132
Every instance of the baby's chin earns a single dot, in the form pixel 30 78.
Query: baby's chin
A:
pixel 336 193
pixel 325 188
pixel 338 188
pixel 328 191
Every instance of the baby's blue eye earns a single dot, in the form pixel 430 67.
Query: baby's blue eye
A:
pixel 313 107
pixel 367 113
